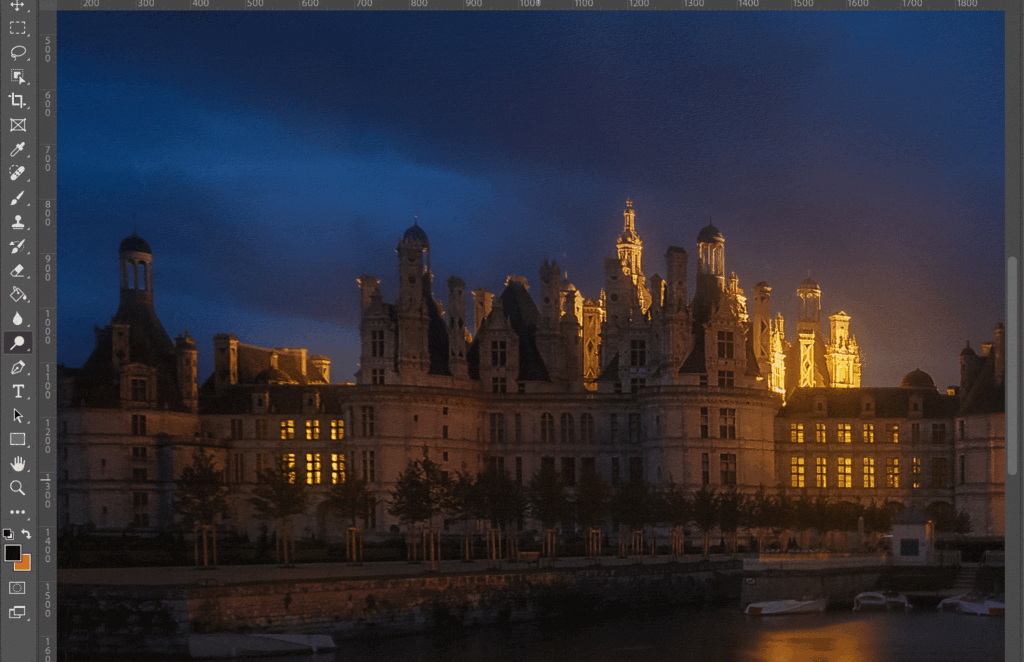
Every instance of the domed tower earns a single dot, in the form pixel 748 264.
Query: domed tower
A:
pixel 136 266
pixel 710 272
pixel 808 329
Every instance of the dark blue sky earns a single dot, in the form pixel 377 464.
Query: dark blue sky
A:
pixel 271 158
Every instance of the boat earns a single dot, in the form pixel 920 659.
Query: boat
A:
pixel 881 601
pixel 993 605
pixel 806 605
pixel 952 604
pixel 246 645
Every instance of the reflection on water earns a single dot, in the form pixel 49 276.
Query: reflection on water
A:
pixel 707 636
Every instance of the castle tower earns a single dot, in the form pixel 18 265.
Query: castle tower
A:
pixel 413 281
pixel 675 312
pixel 225 360
pixel 842 354
pixel 457 327
pixel 778 356
pixel 188 379
pixel 808 328
pixel 629 249
pixel 376 335
pixel 710 272
pixel 136 263
pixel 762 325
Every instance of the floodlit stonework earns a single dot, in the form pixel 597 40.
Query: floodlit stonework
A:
pixel 641 380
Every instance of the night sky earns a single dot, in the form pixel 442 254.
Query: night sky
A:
pixel 269 159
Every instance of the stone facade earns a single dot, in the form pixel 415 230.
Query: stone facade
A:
pixel 640 380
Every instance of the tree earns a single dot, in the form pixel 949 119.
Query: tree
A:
pixel 200 496
pixel 757 514
pixel 548 501
pixel 705 515
pixel 730 505
pixel 278 496
pixel 947 519
pixel 803 518
pixel 501 502
pixel 420 494
pixel 635 503
pixel 351 498
pixel 592 503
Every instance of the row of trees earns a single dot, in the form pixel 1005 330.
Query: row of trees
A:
pixel 424 494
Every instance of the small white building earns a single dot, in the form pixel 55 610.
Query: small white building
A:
pixel 913 538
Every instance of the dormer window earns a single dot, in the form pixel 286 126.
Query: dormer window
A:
pixel 138 390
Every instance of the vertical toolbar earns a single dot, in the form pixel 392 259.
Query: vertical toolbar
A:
pixel 27 327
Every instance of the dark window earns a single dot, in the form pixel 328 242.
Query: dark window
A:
pixel 499 355
pixel 138 390
pixel 636 469
pixel 140 499
pixel 705 468
pixel 139 453
pixel 139 475
pixel 236 428
pixel 940 471
pixel 915 433
pixel 547 464
pixel 547 428
pixel 369 467
pixel 963 469
pixel 497 428
pixel 141 520
pixel 587 465
pixel 569 471
pixel 703 380
pixel 444 431
pixel 705 429
pixel 367 420
pixel 499 385
pixel 376 375
pixel 727 423
pixel 615 472
pixel 567 429
pixel 138 424
pixel 376 343
pixel 725 345
pixel 637 353
pixel 909 547
pixel 726 378
pixel 634 428
pixel 938 433
pixel 728 461
pixel 519 471
pixel 613 427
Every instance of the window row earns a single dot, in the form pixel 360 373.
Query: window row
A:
pixel 726 423
pixel 844 477
pixel 565 432
pixel 310 468
pixel 843 432
pixel 287 429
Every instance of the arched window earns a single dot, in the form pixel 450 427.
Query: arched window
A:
pixel 587 428
pixel 547 428
pixel 142 280
pixel 568 432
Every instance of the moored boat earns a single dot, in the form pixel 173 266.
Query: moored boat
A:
pixel 804 605
pixel 994 605
pixel 881 601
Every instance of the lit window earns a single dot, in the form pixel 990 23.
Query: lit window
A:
pixel 820 472
pixel 844 431
pixel 869 472
pixel 312 468
pixel 312 430
pixel 337 468
pixel 892 433
pixel 845 467
pixel 869 433
pixel 337 429
pixel 819 433
pixel 796 433
pixel 892 472
pixel 287 429
pixel 915 472
pixel 288 466
pixel 796 472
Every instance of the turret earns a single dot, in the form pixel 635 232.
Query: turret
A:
pixel 225 360
pixel 186 354
pixel 457 327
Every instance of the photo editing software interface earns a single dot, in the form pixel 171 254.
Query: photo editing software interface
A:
pixel 200 205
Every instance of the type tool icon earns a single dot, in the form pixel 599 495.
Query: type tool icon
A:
pixel 22 562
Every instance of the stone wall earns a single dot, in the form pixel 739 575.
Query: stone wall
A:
pixel 159 620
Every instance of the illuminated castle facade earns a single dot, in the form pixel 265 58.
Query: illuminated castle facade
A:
pixel 641 381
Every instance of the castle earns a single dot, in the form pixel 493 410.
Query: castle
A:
pixel 642 381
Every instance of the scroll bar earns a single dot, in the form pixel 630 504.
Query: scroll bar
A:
pixel 1012 366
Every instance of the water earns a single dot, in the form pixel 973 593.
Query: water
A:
pixel 719 636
